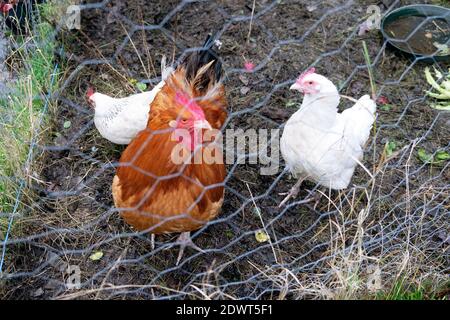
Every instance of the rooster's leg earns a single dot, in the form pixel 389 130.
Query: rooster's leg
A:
pixel 152 241
pixel 185 240
pixel 293 192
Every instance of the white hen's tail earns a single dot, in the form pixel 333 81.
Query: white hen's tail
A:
pixel 165 70
pixel 359 119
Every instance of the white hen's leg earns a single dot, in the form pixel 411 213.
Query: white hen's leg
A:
pixel 293 192
pixel 183 241
pixel 316 196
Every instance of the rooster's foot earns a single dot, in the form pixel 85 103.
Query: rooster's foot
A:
pixel 183 241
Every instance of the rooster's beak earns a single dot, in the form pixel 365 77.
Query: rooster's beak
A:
pixel 296 86
pixel 202 124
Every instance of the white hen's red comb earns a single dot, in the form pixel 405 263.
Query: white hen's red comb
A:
pixel 6 7
pixel 90 92
pixel 304 74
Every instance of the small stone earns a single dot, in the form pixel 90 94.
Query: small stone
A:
pixel 311 8
pixel 39 292
pixel 52 285
pixel 243 79
pixel 245 90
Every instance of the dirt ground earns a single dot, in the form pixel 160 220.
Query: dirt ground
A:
pixel 73 216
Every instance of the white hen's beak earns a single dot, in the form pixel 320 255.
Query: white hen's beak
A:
pixel 202 124
pixel 91 102
pixel 296 86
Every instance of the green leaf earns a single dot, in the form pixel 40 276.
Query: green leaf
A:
pixel 133 82
pixel 67 124
pixel 96 256
pixel 389 148
pixel 261 236
pixel 229 234
pixel 257 212
pixel 443 48
pixel 386 107
pixel 441 106
pixel 442 92
pixel 141 86
pixel 291 103
pixel 442 155
pixel 424 156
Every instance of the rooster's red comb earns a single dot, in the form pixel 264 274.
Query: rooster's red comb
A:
pixel 307 72
pixel 192 106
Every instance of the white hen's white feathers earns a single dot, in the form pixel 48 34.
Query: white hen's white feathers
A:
pixel 322 145
pixel 120 120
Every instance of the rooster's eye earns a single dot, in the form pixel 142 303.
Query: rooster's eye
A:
pixel 183 120
pixel 310 82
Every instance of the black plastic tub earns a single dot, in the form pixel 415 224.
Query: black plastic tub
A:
pixel 419 31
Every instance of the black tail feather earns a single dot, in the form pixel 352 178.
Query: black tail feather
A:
pixel 197 59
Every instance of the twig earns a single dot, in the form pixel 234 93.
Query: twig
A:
pixel 369 68
pixel 262 222
pixel 349 98
pixel 251 21
pixel 124 252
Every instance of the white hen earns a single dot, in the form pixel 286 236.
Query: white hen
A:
pixel 320 144
pixel 120 120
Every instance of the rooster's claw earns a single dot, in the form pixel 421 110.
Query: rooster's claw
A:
pixel 185 240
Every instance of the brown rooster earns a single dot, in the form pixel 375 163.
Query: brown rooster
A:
pixel 158 194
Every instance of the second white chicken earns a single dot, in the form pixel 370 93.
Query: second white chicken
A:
pixel 119 120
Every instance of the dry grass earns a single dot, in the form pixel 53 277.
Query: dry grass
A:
pixel 23 120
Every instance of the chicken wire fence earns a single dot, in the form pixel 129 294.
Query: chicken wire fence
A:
pixel 65 239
